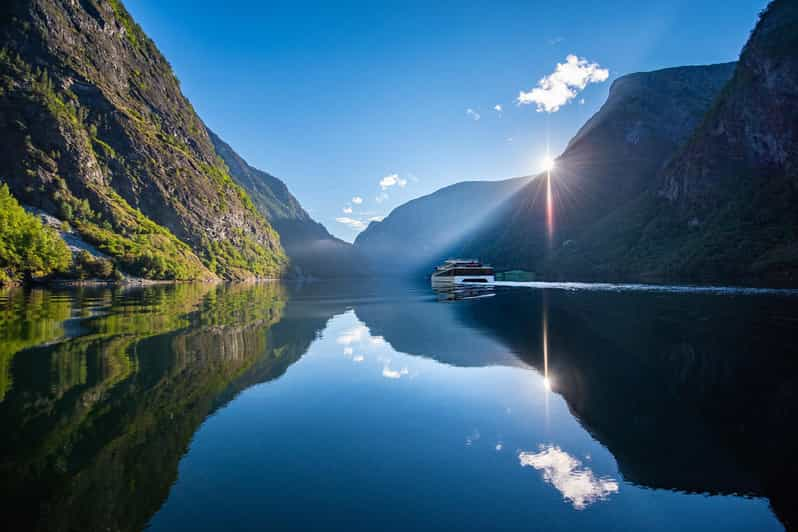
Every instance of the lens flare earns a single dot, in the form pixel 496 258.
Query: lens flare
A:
pixel 547 163
pixel 549 211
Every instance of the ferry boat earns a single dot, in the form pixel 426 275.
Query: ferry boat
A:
pixel 462 271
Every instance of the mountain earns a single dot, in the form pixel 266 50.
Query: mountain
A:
pixel 419 233
pixel 95 130
pixel 611 160
pixel 312 250
pixel 724 208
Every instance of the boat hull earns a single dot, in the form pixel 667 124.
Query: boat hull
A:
pixel 439 281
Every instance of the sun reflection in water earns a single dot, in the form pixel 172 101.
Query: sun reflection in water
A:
pixel 546 379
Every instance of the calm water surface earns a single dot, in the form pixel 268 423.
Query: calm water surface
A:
pixel 387 407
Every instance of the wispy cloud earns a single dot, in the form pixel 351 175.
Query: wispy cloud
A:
pixel 376 218
pixel 498 108
pixel 392 180
pixel 347 210
pixel 357 200
pixel 562 85
pixel 555 40
pixel 578 484
pixel 473 114
pixel 358 225
pixel 382 196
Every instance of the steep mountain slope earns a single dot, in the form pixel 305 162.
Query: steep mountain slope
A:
pixel 724 209
pixel 610 161
pixel 312 250
pixel 422 231
pixel 96 131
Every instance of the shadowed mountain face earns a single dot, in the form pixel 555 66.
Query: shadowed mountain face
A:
pixel 421 232
pixel 723 208
pixel 104 418
pixel 312 250
pixel 609 162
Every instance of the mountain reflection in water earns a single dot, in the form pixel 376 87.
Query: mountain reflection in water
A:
pixel 108 396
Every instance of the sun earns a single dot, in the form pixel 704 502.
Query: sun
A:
pixel 547 163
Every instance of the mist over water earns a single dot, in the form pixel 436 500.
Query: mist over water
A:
pixel 386 406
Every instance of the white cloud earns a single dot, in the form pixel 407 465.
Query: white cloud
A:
pixel 351 336
pixel 358 358
pixel 389 373
pixel 582 101
pixel 347 350
pixel 382 196
pixel 357 200
pixel 562 85
pixel 351 222
pixel 376 218
pixel 347 210
pixel 577 483
pixel 392 180
pixel 498 107
pixel 473 114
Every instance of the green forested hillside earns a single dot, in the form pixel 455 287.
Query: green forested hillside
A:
pixel 96 131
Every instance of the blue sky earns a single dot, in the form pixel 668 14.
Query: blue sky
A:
pixel 333 97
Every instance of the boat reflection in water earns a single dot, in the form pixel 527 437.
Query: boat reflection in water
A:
pixel 457 292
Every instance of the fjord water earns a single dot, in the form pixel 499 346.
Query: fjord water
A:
pixel 380 406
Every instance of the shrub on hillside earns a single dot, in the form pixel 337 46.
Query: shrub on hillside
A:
pixel 27 248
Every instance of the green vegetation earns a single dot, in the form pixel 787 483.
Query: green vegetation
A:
pixel 141 247
pixel 133 32
pixel 27 248
pixel 87 266
pixel 244 256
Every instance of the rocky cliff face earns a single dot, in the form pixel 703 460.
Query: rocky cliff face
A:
pixel 723 208
pixel 311 249
pixel 752 126
pixel 96 130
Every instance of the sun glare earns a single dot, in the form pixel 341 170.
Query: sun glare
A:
pixel 547 163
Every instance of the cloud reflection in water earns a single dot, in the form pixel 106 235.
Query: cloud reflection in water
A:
pixel 577 483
